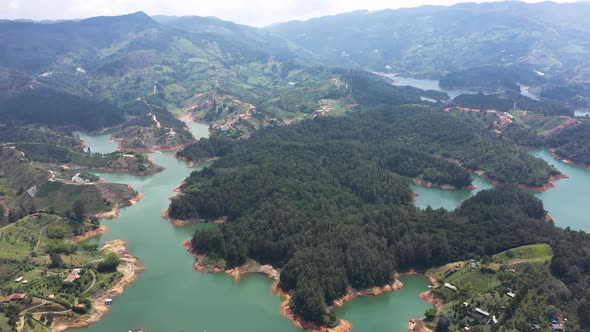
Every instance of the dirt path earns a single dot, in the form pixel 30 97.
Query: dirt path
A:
pixel 40 236
pixel 92 284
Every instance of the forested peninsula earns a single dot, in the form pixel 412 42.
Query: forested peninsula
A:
pixel 328 201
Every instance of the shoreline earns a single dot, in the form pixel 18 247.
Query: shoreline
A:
pixel 90 234
pixel 114 212
pixel 183 223
pixel 129 268
pixel 567 161
pixel 188 117
pixel 193 164
pixel 548 186
pixel 155 169
pixel 428 184
pixel 274 274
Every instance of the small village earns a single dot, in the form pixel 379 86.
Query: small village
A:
pixel 476 294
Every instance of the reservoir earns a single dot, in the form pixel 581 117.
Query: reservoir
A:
pixel 99 143
pixel 567 203
pixel 425 84
pixel 390 311
pixel 171 296
pixel 447 199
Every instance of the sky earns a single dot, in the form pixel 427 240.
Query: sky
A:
pixel 249 12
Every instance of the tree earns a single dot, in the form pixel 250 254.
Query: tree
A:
pixel 430 314
pixel 78 211
pixel 14 215
pixel 2 212
pixel 444 322
pixel 584 313
pixel 109 264
pixel 56 260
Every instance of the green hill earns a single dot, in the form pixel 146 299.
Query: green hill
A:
pixel 435 40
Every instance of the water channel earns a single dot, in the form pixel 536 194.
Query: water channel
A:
pixel 171 296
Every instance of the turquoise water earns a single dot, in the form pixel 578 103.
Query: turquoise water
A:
pixel 198 130
pixel 171 296
pixel 447 199
pixel 426 84
pixel 390 311
pixel 568 203
pixel 99 143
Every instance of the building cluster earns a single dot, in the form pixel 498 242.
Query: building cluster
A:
pixel 75 274
pixel 77 179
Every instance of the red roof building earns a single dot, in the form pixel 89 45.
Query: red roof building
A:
pixel 15 297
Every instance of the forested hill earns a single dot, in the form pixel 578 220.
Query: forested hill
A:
pixel 433 40
pixel 410 142
pixel 329 209
pixel 328 201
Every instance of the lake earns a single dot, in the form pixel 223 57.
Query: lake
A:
pixel 99 143
pixel 567 203
pixel 171 296
pixel 390 311
pixel 447 199
pixel 425 84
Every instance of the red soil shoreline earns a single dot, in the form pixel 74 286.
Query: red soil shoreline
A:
pixel 253 267
pixel 567 161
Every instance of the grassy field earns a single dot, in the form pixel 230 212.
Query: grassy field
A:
pixel 534 253
pixel 4 323
pixel 475 282
pixel 61 196
pixel 20 239
pixel 4 186
pixel 34 326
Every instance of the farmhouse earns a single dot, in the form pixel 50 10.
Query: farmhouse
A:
pixel 15 297
pixel 451 287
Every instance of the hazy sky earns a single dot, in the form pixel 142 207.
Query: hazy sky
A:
pixel 251 12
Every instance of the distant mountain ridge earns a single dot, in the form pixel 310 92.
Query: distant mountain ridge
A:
pixel 435 40
pixel 169 64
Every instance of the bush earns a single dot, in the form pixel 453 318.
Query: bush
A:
pixel 90 246
pixel 109 264
pixel 56 232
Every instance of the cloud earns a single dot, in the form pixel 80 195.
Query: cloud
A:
pixel 251 12
pixel 14 4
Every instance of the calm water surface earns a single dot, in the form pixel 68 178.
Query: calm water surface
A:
pixel 568 203
pixel 99 143
pixel 390 311
pixel 170 296
pixel 447 199
pixel 425 84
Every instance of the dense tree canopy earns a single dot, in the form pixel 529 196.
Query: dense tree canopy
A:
pixel 329 201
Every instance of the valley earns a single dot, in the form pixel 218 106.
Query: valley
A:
pixel 419 169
